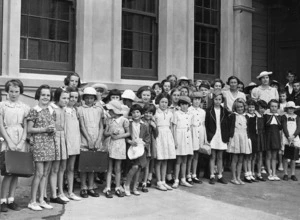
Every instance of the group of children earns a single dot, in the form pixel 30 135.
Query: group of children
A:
pixel 157 130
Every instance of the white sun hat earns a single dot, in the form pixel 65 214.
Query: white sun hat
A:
pixel 264 73
pixel 135 152
pixel 128 94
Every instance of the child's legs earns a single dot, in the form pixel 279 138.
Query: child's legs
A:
pixel 285 165
pixel 220 162
pixel 183 167
pixel 151 167
pixel 43 188
pixel 189 165
pixel 170 167
pixel 146 171
pixel 239 166
pixel 195 162
pixel 91 177
pixel 130 175
pixel 157 170
pixel 83 177
pixel 253 161
pixel 5 186
pixel 53 177
pixel 177 166
pixel 245 163
pixel 163 170
pixel 268 161
pixel 274 161
pixel 293 166
pixel 39 172
pixel 62 168
pixel 233 165
pixel 109 172
pixel 118 172
pixel 259 162
pixel 249 167
pixel 13 186
pixel 136 178
pixel 212 162
pixel 70 172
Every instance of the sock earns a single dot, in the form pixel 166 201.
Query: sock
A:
pixel 10 200
pixel 212 176
pixel 183 179
pixel 150 176
pixel 3 201
pixel 188 176
pixel 220 176
pixel 250 173
pixel 194 175
pixel 169 176
pixel 163 182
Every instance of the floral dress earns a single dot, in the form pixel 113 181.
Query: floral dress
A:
pixel 13 114
pixel 43 144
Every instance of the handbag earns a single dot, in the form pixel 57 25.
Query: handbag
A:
pixel 291 152
pixel 205 149
pixel 93 161
pixel 15 163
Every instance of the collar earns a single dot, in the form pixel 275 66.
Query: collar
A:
pixel 12 104
pixel 244 114
pixel 161 111
pixel 117 119
pixel 141 121
pixel 262 88
pixel 86 106
pixel 38 108
pixel 269 113
pixel 251 116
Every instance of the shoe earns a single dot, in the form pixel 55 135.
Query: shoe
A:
pixel 196 180
pixel 144 188
pixel 44 205
pixel 119 193
pixel 161 187
pixel 127 193
pixel 185 183
pixel 4 207
pixel 13 206
pixel 276 178
pixel 212 181
pixel 222 180
pixel 247 179
pixel 34 206
pixel 175 184
pixel 83 193
pixel 92 193
pixel 58 201
pixel 46 200
pixel 108 194
pixel 167 186
pixel 190 181
pixel 235 182
pixel 263 171
pixel 72 196
pixel 149 183
pixel 253 179
pixel 241 182
pixel 260 178
pixel 294 178
pixel 64 198
pixel 170 182
pixel 271 178
pixel 285 177
pixel 136 192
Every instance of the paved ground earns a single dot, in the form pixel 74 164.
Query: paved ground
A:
pixel 268 200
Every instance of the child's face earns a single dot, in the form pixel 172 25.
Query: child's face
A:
pixel 45 97
pixel 167 86
pixel 157 90
pixel 184 107
pixel 184 92
pixel 240 108
pixel 74 81
pixel 146 96
pixel 114 97
pixel 251 109
pixel 175 96
pixel 218 100
pixel 282 97
pixel 148 115
pixel 204 91
pixel 89 100
pixel 64 99
pixel 73 99
pixel 99 93
pixel 296 87
pixel 196 102
pixel 13 93
pixel 261 110
pixel 240 87
pixel 273 107
pixel 218 85
pixel 290 111
pixel 163 104
pixel 184 83
pixel 136 115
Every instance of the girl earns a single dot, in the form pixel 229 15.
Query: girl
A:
pixel 72 130
pixel 239 143
pixel 216 123
pixel 183 140
pixel 117 129
pixel 91 127
pixel 157 87
pixel 145 94
pixel 173 79
pixel 273 143
pixel 291 131
pixel 249 161
pixel 166 85
pixel 165 142
pixel 72 80
pixel 61 99
pixel 149 112
pixel 41 126
pixel 217 84
pixel 139 132
pixel 281 111
pixel 100 89
pixel 113 94
pixel 184 91
pixel 13 127
pixel 198 136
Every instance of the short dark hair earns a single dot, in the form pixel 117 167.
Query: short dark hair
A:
pixel 58 93
pixel 163 82
pixel 172 75
pixel 161 96
pixel 136 107
pixel 38 92
pixel 216 93
pixel 149 108
pixel 72 89
pixel 14 82
pixel 282 91
pixel 68 78
pixel 157 84
pixel 231 78
pixel 273 101
pixel 262 104
pixel 252 102
pixel 218 81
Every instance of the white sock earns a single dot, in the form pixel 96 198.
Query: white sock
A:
pixel 150 176
pixel 194 175
pixel 220 176
pixel 188 176
pixel 10 200
pixel 169 176
pixel 212 176
pixel 3 201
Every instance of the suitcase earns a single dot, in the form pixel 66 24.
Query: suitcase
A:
pixel 15 163
pixel 93 161
pixel 291 152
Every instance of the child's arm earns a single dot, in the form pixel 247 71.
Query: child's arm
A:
pixel 85 133
pixel 125 135
pixel 24 135
pixel 297 132
pixel 284 126
pixel 100 135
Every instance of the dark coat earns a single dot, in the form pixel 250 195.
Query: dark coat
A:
pixel 211 125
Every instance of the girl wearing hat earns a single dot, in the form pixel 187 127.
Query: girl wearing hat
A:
pixel 198 136
pixel 264 91
pixel 291 131
pixel 157 87
pixel 183 139
pixel 233 93
pixel 117 129
pixel 100 89
pixel 91 126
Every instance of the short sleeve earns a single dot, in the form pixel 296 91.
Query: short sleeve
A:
pixel 32 115
pixel 254 94
pixel 79 112
pixel 125 123
pixel 26 110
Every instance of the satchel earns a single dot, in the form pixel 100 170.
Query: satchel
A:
pixel 15 163
pixel 93 161
pixel 291 152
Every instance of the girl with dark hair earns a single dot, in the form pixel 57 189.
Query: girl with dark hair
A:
pixel 72 80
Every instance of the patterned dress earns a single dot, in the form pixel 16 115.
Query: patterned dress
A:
pixel 72 131
pixel 43 144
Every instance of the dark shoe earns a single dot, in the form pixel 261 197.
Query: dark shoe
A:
pixel 57 200
pixel 212 181
pixel 294 178
pixel 13 206
pixel 119 193
pixel 285 177
pixel 92 193
pixel 4 207
pixel 83 193
pixel 190 181
pixel 149 183
pixel 170 182
pixel 196 180
pixel 222 180
pixel 144 188
pixel 246 180
pixel 260 178
pixel 46 199
pixel 108 194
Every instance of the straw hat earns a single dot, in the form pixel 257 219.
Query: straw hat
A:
pixel 249 87
pixel 128 94
pixel 100 85
pixel 264 73
pixel 290 104
pixel 116 106
pixel 135 152
pixel 184 78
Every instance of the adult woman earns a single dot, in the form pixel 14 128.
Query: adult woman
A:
pixel 233 93
pixel 264 91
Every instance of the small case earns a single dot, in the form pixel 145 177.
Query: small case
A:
pixel 93 161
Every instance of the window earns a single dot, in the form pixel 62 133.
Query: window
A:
pixel 139 39
pixel 47 36
pixel 206 39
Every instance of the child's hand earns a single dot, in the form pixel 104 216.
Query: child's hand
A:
pixel 90 144
pixel 11 146
pixel 152 123
pixel 115 137
pixel 50 129
pixel 291 138
pixel 116 132
pixel 134 143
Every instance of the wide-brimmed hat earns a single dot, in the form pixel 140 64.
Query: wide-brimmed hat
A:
pixel 135 152
pixel 290 104
pixel 197 95
pixel 275 82
pixel 89 91
pixel 264 73
pixel 100 85
pixel 128 94
pixel 250 87
pixel 145 88
pixel 184 99
pixel 183 78
pixel 116 106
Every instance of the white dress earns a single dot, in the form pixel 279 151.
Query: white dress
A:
pixel 72 130
pixel 183 134
pixel 216 142
pixel 266 94
pixel 198 127
pixel 165 145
